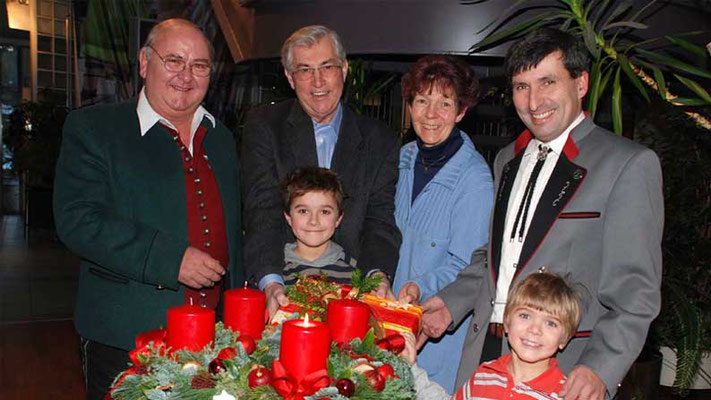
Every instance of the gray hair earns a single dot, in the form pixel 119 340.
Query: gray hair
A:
pixel 307 37
pixel 169 23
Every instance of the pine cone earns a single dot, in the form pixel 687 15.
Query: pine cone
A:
pixel 202 381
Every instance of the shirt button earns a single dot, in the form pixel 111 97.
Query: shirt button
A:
pixel 188 158
pixel 205 231
pixel 204 217
pixel 475 328
pixel 191 170
pixel 201 205
pixel 492 302
pixel 199 192
pixel 175 138
pixel 433 244
pixel 196 180
pixel 208 244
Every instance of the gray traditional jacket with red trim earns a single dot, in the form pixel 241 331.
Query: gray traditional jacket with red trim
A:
pixel 599 223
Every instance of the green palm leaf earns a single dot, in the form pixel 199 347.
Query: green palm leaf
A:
pixel 675 63
pixel 685 101
pixel 695 87
pixel 688 46
pixel 617 103
pixel 659 78
pixel 621 8
pixel 625 65
pixel 625 24
pixel 521 28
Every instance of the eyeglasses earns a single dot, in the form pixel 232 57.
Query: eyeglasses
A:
pixel 306 73
pixel 177 64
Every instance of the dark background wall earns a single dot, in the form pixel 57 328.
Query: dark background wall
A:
pixel 427 26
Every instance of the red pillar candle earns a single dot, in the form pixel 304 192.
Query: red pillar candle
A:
pixel 191 327
pixel 305 346
pixel 244 311
pixel 347 319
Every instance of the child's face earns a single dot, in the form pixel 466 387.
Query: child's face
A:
pixel 313 218
pixel 534 336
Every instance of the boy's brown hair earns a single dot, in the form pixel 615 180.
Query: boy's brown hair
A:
pixel 547 292
pixel 311 179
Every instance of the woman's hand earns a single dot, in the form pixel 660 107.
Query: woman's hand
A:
pixel 410 351
pixel 409 293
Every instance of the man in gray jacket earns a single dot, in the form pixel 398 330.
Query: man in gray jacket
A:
pixel 577 200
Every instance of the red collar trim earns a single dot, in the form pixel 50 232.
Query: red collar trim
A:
pixel 522 141
pixel 570 149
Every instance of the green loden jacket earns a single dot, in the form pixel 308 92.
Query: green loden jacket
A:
pixel 119 203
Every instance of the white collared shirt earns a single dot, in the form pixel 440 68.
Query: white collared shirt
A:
pixel 511 249
pixel 147 117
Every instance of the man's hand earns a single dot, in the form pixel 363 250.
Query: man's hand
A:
pixel 275 298
pixel 383 290
pixel 583 384
pixel 410 351
pixel 198 269
pixel 409 293
pixel 436 317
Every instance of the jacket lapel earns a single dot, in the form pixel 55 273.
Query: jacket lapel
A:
pixel 508 175
pixel 560 189
pixel 346 155
pixel 299 134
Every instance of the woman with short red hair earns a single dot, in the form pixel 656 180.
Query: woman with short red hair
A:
pixel 444 197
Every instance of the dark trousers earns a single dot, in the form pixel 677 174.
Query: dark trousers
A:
pixel 492 347
pixel 101 364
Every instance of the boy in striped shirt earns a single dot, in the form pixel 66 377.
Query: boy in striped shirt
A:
pixel 542 314
pixel 313 208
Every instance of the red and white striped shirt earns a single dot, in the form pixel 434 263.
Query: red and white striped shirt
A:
pixel 493 381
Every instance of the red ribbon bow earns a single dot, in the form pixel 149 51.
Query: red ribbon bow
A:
pixel 288 387
pixel 394 343
pixel 156 336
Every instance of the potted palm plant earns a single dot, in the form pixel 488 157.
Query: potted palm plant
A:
pixel 683 329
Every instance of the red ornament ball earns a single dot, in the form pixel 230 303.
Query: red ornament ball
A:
pixel 227 353
pixel 259 377
pixel 345 387
pixel 216 366
pixel 247 343
pixel 375 380
pixel 386 371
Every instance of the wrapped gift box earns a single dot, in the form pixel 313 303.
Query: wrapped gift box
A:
pixel 392 316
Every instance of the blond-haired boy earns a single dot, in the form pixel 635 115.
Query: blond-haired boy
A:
pixel 542 314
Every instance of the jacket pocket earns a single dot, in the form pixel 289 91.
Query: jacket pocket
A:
pixel 579 215
pixel 108 275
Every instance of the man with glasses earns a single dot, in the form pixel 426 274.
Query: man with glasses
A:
pixel 317 129
pixel 147 193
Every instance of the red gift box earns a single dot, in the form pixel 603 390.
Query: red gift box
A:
pixel 394 317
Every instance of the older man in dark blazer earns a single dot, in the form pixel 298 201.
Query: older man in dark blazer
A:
pixel 317 129
pixel 577 200
pixel 147 193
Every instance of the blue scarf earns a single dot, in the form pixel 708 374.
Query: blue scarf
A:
pixel 431 159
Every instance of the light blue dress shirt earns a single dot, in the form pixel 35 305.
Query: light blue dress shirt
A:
pixel 448 220
pixel 326 136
